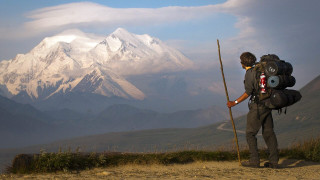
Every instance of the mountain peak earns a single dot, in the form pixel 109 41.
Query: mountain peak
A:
pixel 121 31
pixel 123 34
pixel 126 35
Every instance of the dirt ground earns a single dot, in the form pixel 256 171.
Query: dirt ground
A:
pixel 290 169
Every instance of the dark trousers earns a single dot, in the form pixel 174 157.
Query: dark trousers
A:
pixel 260 116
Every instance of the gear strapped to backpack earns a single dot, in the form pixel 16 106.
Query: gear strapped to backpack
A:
pixel 274 76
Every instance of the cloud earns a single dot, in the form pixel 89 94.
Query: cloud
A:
pixel 87 13
pixel 288 28
pixel 273 24
pixel 90 15
pixel 282 26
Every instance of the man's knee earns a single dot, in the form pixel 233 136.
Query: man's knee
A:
pixel 251 133
pixel 268 133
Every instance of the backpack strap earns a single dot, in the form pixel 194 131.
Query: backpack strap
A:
pixel 280 111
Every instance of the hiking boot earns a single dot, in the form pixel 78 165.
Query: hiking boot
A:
pixel 271 165
pixel 250 164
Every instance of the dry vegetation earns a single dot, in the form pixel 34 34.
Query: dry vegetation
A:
pixel 170 165
pixel 291 169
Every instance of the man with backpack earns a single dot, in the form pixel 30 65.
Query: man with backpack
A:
pixel 259 115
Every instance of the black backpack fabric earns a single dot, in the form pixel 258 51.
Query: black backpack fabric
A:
pixel 278 78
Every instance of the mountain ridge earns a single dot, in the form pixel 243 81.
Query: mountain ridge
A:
pixel 66 123
pixel 59 63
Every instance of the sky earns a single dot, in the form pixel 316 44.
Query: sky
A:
pixel 288 28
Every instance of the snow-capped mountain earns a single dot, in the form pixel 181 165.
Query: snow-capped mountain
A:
pixel 77 62
pixel 128 53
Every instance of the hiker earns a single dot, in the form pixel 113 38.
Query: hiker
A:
pixel 259 115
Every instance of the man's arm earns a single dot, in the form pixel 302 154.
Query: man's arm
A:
pixel 243 97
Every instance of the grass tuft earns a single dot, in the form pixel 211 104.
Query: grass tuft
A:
pixel 307 150
pixel 68 161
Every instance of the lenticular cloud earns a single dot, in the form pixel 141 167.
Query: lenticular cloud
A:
pixel 85 13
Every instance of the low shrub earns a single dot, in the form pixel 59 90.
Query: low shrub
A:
pixel 307 150
pixel 67 161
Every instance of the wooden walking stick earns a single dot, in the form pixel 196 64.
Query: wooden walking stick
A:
pixel 225 87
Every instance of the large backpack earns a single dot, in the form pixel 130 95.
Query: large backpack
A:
pixel 274 76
